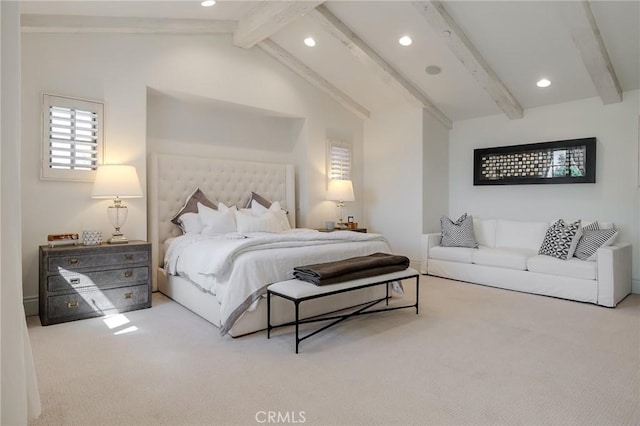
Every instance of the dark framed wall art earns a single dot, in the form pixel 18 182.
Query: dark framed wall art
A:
pixel 568 161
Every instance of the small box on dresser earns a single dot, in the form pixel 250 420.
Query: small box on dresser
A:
pixel 78 282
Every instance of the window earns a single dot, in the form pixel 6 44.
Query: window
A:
pixel 72 138
pixel 339 163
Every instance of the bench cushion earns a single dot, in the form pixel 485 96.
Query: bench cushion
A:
pixel 297 289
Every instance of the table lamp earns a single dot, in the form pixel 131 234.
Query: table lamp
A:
pixel 117 181
pixel 340 190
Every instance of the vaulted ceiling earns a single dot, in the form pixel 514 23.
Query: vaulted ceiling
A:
pixel 489 54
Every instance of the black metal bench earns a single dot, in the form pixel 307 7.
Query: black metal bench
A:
pixel 299 291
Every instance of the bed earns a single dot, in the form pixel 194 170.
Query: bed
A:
pixel 172 178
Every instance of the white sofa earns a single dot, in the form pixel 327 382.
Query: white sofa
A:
pixel 507 257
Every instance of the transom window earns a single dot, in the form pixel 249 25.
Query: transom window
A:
pixel 72 138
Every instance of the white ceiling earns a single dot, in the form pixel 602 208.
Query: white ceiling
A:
pixel 521 41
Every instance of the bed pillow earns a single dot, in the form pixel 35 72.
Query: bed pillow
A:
pixel 561 239
pixel 258 209
pixel 249 222
pixel 258 199
pixel 220 221
pixel 592 240
pixel 458 233
pixel 190 223
pixel 191 205
pixel 262 201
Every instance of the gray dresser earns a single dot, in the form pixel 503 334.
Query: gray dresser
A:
pixel 79 282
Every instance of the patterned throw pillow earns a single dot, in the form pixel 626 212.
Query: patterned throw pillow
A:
pixel 592 240
pixel 458 233
pixel 561 239
pixel 593 226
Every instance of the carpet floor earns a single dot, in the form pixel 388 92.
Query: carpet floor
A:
pixel 475 355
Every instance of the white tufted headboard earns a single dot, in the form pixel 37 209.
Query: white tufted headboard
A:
pixel 172 178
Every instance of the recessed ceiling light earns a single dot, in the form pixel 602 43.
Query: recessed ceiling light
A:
pixel 433 70
pixel 405 41
pixel 208 3
pixel 309 41
pixel 543 83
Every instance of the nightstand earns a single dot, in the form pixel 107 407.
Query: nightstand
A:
pixel 78 282
pixel 363 230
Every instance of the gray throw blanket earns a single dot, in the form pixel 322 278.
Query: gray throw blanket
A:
pixel 351 269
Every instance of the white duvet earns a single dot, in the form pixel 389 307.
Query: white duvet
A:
pixel 237 268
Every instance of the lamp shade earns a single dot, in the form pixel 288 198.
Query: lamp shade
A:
pixel 340 190
pixel 116 181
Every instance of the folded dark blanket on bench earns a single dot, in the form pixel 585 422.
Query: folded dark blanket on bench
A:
pixel 351 269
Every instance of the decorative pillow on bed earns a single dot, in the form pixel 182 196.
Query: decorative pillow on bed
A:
pixel 191 205
pixel 190 223
pixel 220 221
pixel 259 199
pixel 458 233
pixel 262 201
pixel 561 239
pixel 258 209
pixel 249 222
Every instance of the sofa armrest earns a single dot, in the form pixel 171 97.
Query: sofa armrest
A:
pixel 428 241
pixel 614 273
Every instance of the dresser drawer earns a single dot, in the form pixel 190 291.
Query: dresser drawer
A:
pixel 58 264
pixel 85 304
pixel 69 280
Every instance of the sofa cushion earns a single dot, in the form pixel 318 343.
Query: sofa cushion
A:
pixel 452 254
pixel 458 233
pixel 520 234
pixel 561 239
pixel 573 267
pixel 512 258
pixel 485 231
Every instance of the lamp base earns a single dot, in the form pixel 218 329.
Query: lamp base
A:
pixel 118 239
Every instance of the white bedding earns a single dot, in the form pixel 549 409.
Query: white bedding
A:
pixel 237 268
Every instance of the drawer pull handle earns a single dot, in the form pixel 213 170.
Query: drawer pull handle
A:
pixel 74 261
pixel 74 280
pixel 128 274
pixel 72 303
pixel 128 295
pixel 128 256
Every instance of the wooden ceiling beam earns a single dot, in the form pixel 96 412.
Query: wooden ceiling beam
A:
pixel 361 50
pixel 582 26
pixel 110 24
pixel 456 40
pixel 267 18
pixel 297 66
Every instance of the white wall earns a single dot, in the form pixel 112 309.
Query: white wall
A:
pixel 198 126
pixel 435 174
pixel 119 69
pixel 614 196
pixel 19 398
pixel 393 164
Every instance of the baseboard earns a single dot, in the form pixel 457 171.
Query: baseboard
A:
pixel 415 264
pixel 635 286
pixel 30 305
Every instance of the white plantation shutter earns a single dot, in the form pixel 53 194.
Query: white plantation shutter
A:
pixel 72 138
pixel 339 160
